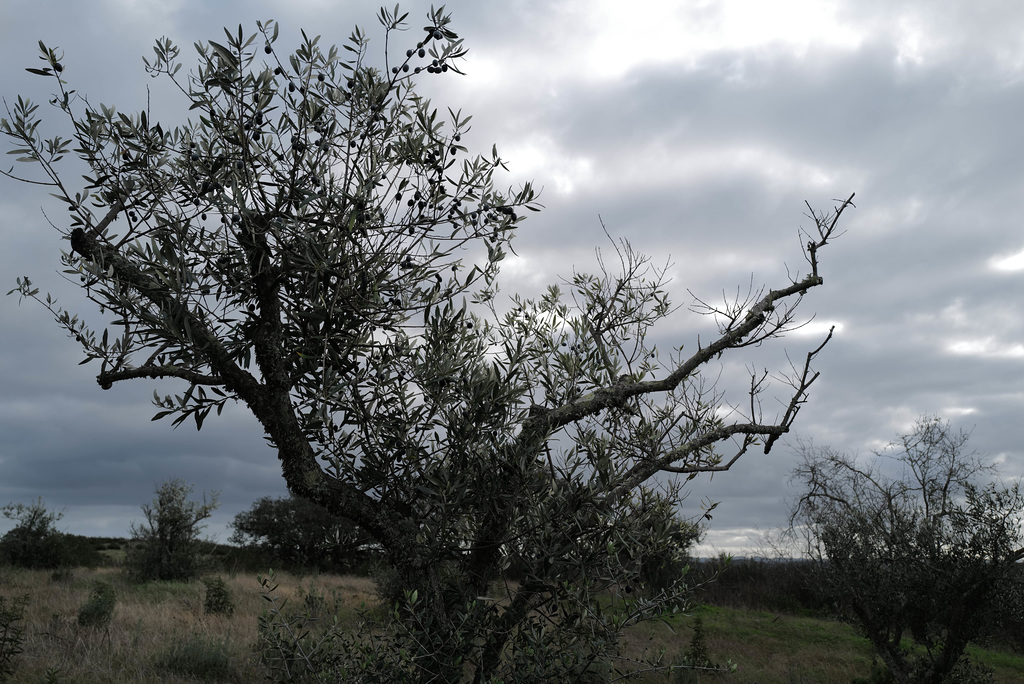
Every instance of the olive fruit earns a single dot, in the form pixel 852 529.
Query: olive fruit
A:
pixel 421 52
pixel 321 78
pixel 437 35
pixel 267 48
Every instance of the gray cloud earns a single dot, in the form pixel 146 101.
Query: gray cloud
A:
pixel 700 150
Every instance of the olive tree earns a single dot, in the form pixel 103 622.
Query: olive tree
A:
pixel 317 244
pixel 912 546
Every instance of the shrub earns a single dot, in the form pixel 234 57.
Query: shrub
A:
pixel 12 633
pixel 218 598
pixel 167 546
pixel 99 609
pixel 696 662
pixel 34 542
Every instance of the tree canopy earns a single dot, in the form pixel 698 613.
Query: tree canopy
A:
pixel 300 532
pixel 921 548
pixel 318 245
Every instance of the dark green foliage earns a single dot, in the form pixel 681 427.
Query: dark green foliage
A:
pixel 697 655
pixel 668 562
pixel 218 598
pixel 780 585
pixel 198 658
pixel 82 552
pixel 696 664
pixel 167 546
pixel 35 541
pixel 919 552
pixel 296 533
pixel 12 633
pixel 99 609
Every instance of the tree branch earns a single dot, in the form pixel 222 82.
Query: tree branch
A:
pixel 90 248
pixel 107 378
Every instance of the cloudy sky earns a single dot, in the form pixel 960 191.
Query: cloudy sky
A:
pixel 696 129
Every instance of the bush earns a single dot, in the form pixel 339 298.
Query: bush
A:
pixel 99 609
pixel 218 598
pixel 35 542
pixel 81 552
pixel 167 546
pixel 12 633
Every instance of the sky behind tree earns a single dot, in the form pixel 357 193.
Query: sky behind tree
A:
pixel 696 130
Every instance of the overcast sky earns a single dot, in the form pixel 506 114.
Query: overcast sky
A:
pixel 694 129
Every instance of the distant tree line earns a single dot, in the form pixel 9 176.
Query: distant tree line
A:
pixel 288 533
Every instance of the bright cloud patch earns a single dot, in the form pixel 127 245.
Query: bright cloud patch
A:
pixel 659 32
pixel 1014 262
pixel 540 160
pixel 987 347
pixel 818 328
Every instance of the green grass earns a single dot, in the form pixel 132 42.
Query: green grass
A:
pixel 773 648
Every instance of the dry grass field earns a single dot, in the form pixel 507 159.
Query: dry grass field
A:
pixel 160 634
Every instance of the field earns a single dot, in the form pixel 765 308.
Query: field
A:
pixel 159 633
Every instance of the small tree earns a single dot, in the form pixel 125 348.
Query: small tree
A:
pixel 35 542
pixel 167 546
pixel 920 550
pixel 301 533
pixel 317 245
